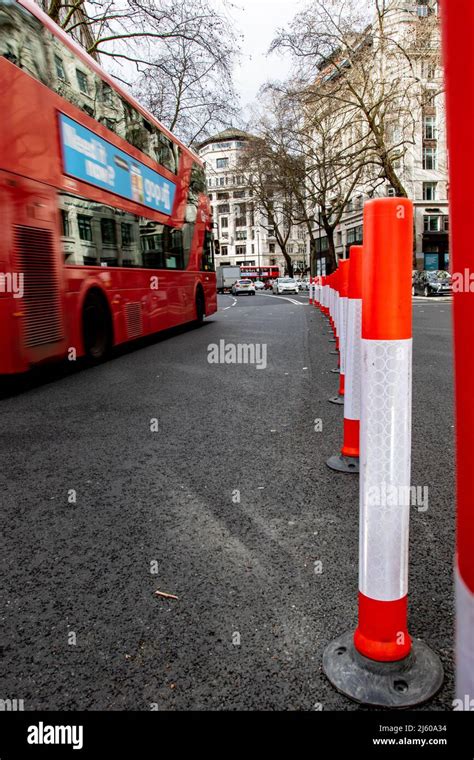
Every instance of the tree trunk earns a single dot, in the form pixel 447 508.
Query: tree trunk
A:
pixel 289 263
pixel 313 255
pixel 331 264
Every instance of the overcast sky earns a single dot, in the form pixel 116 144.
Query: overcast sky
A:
pixel 258 20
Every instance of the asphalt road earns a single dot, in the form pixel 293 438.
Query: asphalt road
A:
pixel 82 627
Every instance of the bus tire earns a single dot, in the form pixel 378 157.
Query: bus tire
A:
pixel 96 327
pixel 200 306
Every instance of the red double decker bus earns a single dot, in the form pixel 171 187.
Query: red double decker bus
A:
pixel 106 229
pixel 260 273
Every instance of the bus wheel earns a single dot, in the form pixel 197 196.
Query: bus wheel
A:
pixel 96 327
pixel 200 306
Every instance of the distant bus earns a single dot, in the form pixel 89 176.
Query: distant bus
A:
pixel 260 273
pixel 106 229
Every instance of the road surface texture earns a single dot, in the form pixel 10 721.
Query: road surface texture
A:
pixel 159 471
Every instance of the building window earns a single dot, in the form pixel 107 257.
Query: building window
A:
pixel 241 235
pixel 429 99
pixel 425 8
pixel 240 250
pixel 221 181
pixel 127 237
pixel 222 163
pixel 107 94
pixel 60 70
pixel 271 247
pixel 432 223
pixel 222 196
pixel 446 223
pixel 108 231
pixel 354 235
pixel 65 224
pixel 428 69
pixel 429 158
pixel 240 221
pixel 82 81
pixel 429 127
pixel 224 208
pixel 224 250
pixel 224 222
pixel 239 194
pixel 84 224
pixel 429 191
pixel 271 232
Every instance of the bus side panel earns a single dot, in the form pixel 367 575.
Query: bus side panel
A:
pixel 10 361
pixel 32 257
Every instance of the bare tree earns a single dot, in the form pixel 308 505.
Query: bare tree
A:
pixel 318 158
pixel 190 91
pixel 365 57
pixel 272 191
pixel 179 55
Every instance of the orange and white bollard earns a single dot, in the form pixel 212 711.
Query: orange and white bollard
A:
pixel 311 290
pixel 348 459
pixel 458 23
pixel 341 308
pixel 333 306
pixel 317 293
pixel 379 664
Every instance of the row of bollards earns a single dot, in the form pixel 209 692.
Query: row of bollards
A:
pixel 368 302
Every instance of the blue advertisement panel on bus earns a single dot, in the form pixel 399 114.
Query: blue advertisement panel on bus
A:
pixel 88 157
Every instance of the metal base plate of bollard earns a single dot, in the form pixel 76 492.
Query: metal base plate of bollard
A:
pixel 401 684
pixel 343 464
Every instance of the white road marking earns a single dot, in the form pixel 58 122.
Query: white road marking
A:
pixel 232 304
pixel 283 298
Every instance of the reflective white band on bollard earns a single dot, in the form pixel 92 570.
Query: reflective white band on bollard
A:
pixel 385 457
pixel 353 360
pixel 464 642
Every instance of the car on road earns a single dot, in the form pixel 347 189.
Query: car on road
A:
pixel 285 285
pixel 432 283
pixel 259 285
pixel 243 286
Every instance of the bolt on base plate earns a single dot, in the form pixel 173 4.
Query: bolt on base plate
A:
pixel 335 371
pixel 337 400
pixel 344 464
pixel 401 684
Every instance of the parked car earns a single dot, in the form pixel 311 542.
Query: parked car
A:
pixel 432 283
pixel 243 286
pixel 259 285
pixel 285 285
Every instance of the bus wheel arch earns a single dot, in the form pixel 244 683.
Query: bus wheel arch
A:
pixel 97 328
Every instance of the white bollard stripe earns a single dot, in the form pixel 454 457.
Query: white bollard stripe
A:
pixel 385 459
pixel 342 332
pixel 353 359
pixel 464 642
